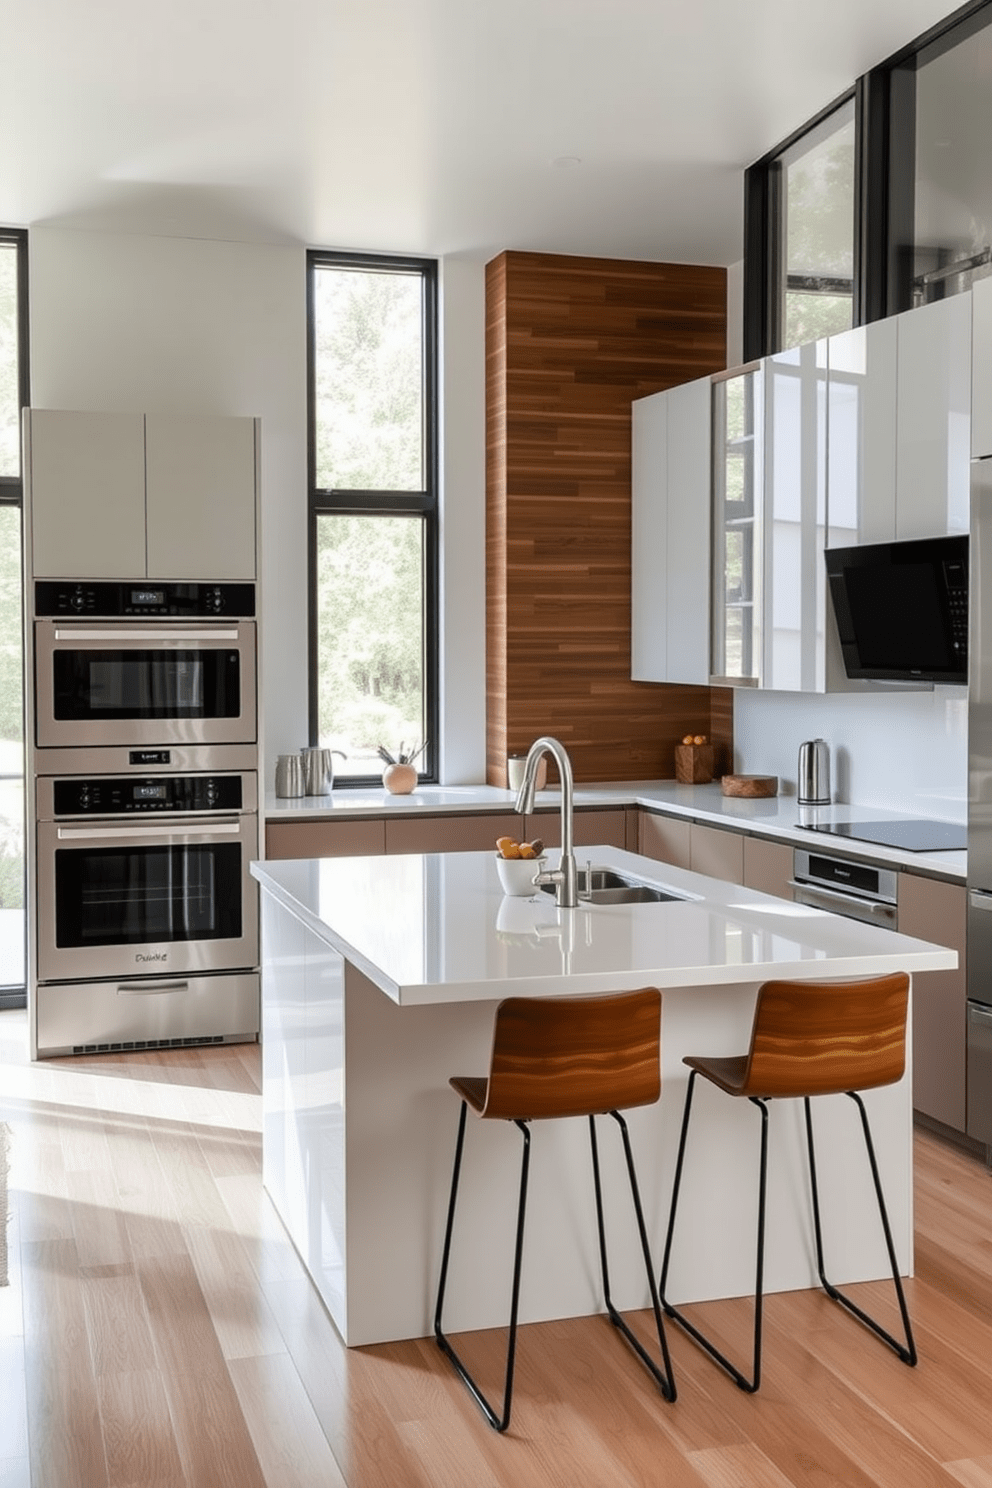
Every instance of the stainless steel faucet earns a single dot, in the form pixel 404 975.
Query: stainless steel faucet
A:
pixel 563 877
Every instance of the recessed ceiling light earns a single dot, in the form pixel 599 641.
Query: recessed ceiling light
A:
pixel 566 162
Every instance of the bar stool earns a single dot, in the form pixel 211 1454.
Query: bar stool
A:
pixel 808 1038
pixel 552 1057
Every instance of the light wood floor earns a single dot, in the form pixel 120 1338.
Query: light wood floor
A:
pixel 159 1332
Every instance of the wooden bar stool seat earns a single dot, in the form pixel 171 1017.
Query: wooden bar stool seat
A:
pixel 555 1057
pixel 807 1039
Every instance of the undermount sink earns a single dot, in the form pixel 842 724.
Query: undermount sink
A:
pixel 606 886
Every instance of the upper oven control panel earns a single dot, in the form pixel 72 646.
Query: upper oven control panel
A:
pixel 143 599
pixel 105 795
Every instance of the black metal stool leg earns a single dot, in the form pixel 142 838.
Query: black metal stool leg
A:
pixel 907 1351
pixel 741 1380
pixel 498 1421
pixel 666 1380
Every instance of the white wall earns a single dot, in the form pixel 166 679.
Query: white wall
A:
pixel 905 751
pixel 463 521
pixel 126 321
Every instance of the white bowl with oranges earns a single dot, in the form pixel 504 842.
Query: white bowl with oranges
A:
pixel 518 864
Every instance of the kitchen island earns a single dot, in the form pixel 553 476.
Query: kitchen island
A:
pixel 379 981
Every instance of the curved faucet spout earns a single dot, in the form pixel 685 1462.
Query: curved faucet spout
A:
pixel 563 877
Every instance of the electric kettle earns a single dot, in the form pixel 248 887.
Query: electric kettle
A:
pixel 814 773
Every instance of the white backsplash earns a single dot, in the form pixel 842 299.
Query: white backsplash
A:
pixel 902 751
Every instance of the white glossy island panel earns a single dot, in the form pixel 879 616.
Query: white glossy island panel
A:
pixel 360 1122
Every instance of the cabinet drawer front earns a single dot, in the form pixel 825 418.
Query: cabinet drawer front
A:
pixel 591 827
pixel 346 839
pixel 450 833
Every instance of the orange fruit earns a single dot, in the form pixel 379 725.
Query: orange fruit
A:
pixel 687 739
pixel 699 739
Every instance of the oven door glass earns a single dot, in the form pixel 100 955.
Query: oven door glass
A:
pixel 144 685
pixel 106 896
pixel 103 684
pixel 132 898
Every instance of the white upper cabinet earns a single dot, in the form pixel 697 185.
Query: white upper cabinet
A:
pixel 649 539
pixel 85 474
pixel 861 435
pixel 794 599
pixel 670 553
pixel 201 497
pixel 981 369
pixel 122 496
pixel 933 431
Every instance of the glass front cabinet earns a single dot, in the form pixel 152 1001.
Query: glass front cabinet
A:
pixel 738 489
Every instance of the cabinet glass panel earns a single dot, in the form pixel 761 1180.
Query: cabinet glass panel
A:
pixel 817 226
pixel 952 205
pixel 737 479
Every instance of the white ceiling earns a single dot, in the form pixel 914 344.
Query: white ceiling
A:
pixel 422 126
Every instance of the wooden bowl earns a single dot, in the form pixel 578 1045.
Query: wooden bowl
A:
pixel 752 787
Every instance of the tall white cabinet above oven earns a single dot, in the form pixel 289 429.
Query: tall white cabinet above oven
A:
pixel 142 729
pixel 132 495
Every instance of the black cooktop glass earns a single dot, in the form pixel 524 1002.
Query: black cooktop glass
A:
pixel 914 835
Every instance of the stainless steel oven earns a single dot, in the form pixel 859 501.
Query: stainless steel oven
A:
pixel 144 664
pixel 145 875
pixel 847 887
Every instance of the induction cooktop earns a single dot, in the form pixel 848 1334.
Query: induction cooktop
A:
pixel 915 835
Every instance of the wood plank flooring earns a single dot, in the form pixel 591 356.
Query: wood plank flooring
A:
pixel 159 1331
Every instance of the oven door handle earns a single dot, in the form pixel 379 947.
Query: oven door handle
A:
pixel 157 633
pixel 150 829
pixel 869 911
pixel 144 989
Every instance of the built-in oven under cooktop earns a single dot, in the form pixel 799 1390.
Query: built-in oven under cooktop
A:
pixel 915 835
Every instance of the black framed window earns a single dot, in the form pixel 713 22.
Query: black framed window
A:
pixel 805 198
pixel 921 190
pixel 373 449
pixel 14 395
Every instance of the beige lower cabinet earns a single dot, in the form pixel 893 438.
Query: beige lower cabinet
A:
pixel 666 838
pixel 318 839
pixel 689 844
pixel 717 853
pixel 768 867
pixel 932 910
pixel 450 833
pixel 591 827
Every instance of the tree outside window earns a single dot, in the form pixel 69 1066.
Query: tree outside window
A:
pixel 373 509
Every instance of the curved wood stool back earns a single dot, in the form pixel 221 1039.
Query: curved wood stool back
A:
pixel 557 1057
pixel 575 1056
pixel 808 1039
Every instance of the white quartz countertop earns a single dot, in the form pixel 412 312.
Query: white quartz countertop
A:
pixel 437 928
pixel 777 817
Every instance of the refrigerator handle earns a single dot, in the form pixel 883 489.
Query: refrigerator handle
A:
pixel 980 898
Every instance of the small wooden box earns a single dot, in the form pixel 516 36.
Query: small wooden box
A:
pixel 694 764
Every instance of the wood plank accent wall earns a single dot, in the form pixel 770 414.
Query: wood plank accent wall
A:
pixel 570 342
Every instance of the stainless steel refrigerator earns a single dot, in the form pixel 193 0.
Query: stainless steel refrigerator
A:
pixel 980 807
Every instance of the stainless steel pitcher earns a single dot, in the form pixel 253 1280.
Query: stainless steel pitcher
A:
pixel 318 770
pixel 814 773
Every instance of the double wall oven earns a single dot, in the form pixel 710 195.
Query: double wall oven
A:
pixel 146 809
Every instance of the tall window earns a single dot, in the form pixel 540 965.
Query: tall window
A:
pixel 952 188
pixel 13 397
pixel 373 510
pixel 881 202
pixel 816 217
